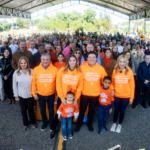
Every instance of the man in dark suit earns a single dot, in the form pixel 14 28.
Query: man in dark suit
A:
pixel 143 82
pixel 36 58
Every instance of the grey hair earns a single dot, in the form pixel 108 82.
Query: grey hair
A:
pixel 46 54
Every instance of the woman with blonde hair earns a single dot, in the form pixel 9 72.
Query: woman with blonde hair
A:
pixel 123 82
pixel 69 78
pixel 22 79
pixel 114 51
pixel 139 59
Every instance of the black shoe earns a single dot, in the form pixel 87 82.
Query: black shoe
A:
pixel 77 129
pixel 52 135
pixel 90 127
pixel 51 127
pixel 43 127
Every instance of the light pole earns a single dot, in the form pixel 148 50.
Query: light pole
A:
pixel 12 24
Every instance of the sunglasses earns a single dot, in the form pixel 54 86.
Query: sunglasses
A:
pixel 77 53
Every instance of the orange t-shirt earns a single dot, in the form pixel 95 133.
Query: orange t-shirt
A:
pixel 68 111
pixel 28 45
pixel 58 65
pixel 105 97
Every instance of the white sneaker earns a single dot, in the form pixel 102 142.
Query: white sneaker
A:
pixel 64 138
pixel 113 127
pixel 118 130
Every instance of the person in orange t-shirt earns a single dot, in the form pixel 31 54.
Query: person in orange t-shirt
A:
pixel 68 76
pixel 123 83
pixel 60 63
pixel 66 113
pixel 106 102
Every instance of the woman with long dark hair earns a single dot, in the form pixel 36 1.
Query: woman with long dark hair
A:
pixel 100 51
pixel 114 51
pixel 6 71
pixel 128 56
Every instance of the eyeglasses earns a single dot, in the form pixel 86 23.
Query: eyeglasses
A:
pixel 77 53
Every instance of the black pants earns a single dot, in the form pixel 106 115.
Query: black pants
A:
pixel 146 91
pixel 85 100
pixel 8 87
pixel 27 105
pixel 50 103
pixel 56 121
pixel 120 108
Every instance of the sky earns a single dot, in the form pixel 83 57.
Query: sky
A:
pixel 80 8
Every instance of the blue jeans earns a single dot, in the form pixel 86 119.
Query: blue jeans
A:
pixel 66 124
pixel 103 114
pixel 120 107
pixel 50 103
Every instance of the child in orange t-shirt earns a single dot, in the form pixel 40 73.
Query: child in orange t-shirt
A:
pixel 60 63
pixel 106 102
pixel 66 113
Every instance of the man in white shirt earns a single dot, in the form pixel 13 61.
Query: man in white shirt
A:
pixel 120 48
pixel 14 47
pixel 32 48
pixel 134 51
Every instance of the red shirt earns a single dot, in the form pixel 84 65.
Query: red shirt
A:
pixel 107 61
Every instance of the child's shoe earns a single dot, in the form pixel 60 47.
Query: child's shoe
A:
pixel 70 137
pixel 99 131
pixel 64 138
pixel 118 130
pixel 113 127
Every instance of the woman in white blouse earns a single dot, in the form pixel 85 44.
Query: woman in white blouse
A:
pixel 22 79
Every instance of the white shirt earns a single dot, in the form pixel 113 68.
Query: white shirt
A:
pixel 22 84
pixel 33 51
pixel 120 48
pixel 14 48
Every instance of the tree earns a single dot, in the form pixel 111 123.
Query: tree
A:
pixel 89 15
pixel 20 22
pixel 4 26
pixel 73 21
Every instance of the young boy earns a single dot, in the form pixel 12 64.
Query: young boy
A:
pixel 66 113
pixel 106 102
pixel 60 63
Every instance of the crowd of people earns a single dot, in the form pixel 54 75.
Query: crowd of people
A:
pixel 97 70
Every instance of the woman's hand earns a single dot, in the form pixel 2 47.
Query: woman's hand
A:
pixel 113 93
pixel 0 69
pixel 17 99
pixel 130 102
pixel 5 78
pixel 64 102
pixel 75 102
pixel 110 110
pixel 36 97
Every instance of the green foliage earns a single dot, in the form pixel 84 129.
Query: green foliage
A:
pixel 74 20
pixel 20 22
pixel 115 29
pixel 4 26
